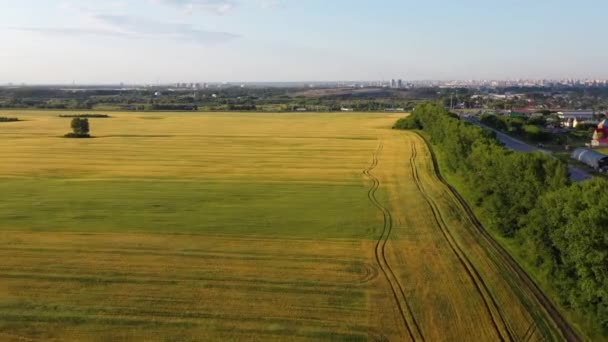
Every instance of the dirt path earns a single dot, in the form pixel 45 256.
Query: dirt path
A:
pixel 449 279
pixel 490 303
pixel 403 306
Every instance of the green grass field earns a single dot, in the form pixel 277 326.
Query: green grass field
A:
pixel 186 207
pixel 224 226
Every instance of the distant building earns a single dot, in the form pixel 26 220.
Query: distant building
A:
pixel 522 112
pixel 400 84
pixel 571 123
pixel 591 158
pixel 600 136
pixel 393 83
pixel 347 109
pixel 576 114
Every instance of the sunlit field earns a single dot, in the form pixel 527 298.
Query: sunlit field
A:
pixel 225 226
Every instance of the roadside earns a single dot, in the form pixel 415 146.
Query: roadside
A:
pixel 576 174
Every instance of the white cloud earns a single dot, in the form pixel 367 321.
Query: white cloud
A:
pixel 211 6
pixel 220 7
pixel 270 3
pixel 123 26
pixel 111 19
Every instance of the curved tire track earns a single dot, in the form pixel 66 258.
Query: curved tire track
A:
pixel 370 273
pixel 507 260
pixel 492 308
pixel 409 321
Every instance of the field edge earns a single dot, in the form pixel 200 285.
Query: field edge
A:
pixel 570 330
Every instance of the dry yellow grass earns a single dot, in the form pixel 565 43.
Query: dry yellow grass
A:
pixel 404 262
pixel 107 286
pixel 321 147
pixel 456 283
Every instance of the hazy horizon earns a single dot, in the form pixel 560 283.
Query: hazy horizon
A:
pixel 165 41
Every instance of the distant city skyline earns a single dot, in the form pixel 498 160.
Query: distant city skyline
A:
pixel 167 41
pixel 392 83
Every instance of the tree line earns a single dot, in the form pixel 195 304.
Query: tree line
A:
pixel 561 228
pixel 97 116
pixel 225 98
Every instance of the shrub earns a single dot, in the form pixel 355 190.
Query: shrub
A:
pixel 80 128
pixel 76 135
pixel 494 122
pixel 534 133
pixel 409 122
pixel 537 120
pixel 84 116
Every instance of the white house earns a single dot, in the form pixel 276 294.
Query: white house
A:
pixel 571 123
pixel 576 114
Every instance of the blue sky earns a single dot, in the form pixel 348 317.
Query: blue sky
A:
pixel 300 40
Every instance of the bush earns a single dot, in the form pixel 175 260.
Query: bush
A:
pixel 534 133
pixel 494 122
pixel 80 128
pixel 179 107
pixel 5 119
pixel 409 122
pixel 537 120
pixel 84 116
pixel 76 135
pixel 245 107
pixel 566 236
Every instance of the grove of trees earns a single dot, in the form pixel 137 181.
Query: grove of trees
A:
pixel 561 228
pixel 529 128
pixel 80 128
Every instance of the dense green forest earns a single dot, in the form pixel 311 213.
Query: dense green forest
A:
pixel 562 228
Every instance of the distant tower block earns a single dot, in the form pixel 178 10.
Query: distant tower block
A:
pixel 600 135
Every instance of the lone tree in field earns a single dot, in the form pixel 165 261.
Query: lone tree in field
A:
pixel 80 128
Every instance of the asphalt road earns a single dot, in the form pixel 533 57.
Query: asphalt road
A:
pixel 576 174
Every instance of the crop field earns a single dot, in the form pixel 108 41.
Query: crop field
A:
pixel 261 227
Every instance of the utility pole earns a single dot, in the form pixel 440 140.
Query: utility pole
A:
pixel 451 102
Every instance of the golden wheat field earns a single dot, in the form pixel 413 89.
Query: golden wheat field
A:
pixel 243 227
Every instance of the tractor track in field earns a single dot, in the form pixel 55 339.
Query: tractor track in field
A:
pixel 492 308
pixel 506 259
pixel 369 274
pixel 409 321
